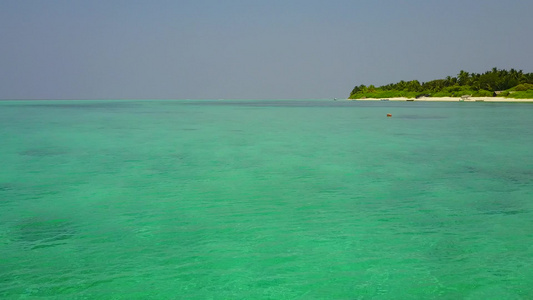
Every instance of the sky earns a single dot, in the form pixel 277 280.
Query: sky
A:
pixel 250 49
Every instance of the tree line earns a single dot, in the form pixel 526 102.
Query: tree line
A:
pixel 506 83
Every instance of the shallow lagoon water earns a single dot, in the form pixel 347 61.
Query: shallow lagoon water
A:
pixel 257 199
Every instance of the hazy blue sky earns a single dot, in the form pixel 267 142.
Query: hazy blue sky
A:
pixel 196 49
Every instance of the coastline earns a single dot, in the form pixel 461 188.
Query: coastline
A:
pixel 451 99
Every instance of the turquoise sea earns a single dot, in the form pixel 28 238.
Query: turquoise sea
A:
pixel 307 199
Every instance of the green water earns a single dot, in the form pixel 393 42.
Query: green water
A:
pixel 265 200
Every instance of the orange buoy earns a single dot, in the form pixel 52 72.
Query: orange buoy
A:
pixel 389 115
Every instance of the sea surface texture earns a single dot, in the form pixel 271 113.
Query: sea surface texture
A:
pixel 219 199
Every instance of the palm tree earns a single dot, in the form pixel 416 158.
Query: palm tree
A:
pixel 463 77
pixel 448 81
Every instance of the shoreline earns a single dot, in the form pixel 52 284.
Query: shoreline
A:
pixel 450 99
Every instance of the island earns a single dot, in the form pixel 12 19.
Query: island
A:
pixel 494 85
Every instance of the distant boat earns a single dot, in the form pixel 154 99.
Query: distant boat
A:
pixel 410 100
pixel 383 99
pixel 334 99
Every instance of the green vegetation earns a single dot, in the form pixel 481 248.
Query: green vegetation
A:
pixel 501 83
